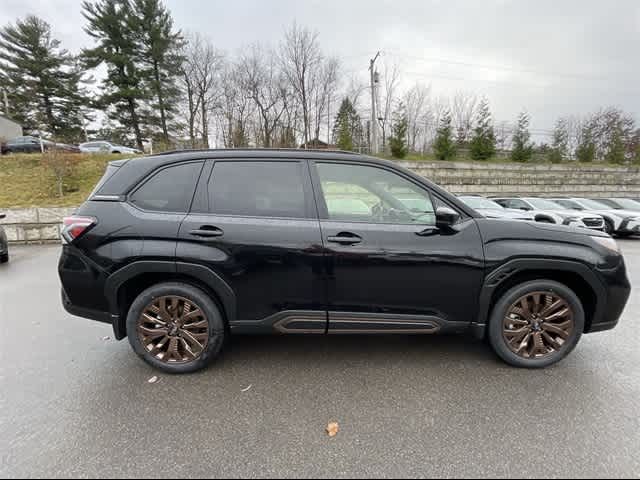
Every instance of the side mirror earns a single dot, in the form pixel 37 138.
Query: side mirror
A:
pixel 3 216
pixel 526 209
pixel 446 217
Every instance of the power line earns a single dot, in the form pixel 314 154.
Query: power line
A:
pixel 580 76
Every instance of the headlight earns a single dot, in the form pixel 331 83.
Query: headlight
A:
pixel 608 243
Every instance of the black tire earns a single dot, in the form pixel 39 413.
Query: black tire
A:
pixel 203 301
pixel 7 152
pixel 4 258
pixel 501 309
pixel 608 226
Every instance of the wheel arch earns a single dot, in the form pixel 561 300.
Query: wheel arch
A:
pixel 126 284
pixel 578 277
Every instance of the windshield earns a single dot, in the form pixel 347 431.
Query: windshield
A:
pixel 481 202
pixel 593 205
pixel 543 204
pixel 627 203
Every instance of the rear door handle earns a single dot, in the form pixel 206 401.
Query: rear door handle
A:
pixel 345 238
pixel 207 231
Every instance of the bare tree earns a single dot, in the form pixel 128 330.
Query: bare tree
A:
pixel 200 73
pixel 503 132
pixel 265 86
pixel 463 111
pixel 300 57
pixel 325 80
pixel 416 100
pixel 390 83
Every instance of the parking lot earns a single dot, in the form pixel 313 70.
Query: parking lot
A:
pixel 75 402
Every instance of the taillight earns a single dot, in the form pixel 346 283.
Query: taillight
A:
pixel 75 227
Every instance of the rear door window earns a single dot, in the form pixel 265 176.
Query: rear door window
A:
pixel 258 189
pixel 168 190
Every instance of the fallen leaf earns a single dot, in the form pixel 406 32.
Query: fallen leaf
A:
pixel 247 389
pixel 332 429
pixel 153 379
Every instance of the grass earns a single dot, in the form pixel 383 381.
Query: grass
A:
pixel 26 182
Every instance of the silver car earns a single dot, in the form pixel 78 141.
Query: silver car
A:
pixel 617 222
pixel 621 203
pixel 106 147
pixel 544 210
pixel 491 209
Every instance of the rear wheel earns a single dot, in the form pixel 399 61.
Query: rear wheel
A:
pixel 176 328
pixel 536 324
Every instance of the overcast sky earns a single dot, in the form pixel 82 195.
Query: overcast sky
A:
pixel 550 57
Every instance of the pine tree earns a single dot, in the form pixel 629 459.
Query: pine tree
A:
pixel 483 142
pixel 159 57
pixel 560 145
pixel 399 127
pixel 44 82
pixel 522 147
pixel 112 24
pixel 347 127
pixel 444 145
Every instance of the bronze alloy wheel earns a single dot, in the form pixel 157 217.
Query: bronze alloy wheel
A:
pixel 173 330
pixel 538 324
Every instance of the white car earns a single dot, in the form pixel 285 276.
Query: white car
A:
pixel 106 147
pixel 491 209
pixel 617 222
pixel 544 210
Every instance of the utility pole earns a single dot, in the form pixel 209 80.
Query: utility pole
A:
pixel 374 119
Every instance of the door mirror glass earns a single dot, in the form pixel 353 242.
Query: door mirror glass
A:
pixel 446 217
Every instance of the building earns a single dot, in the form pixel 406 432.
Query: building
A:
pixel 9 129
pixel 317 144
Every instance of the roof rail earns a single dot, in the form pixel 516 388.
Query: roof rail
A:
pixel 310 150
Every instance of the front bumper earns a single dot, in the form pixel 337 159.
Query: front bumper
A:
pixel 617 290
pixel 629 226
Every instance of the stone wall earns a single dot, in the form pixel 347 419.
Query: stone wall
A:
pixel 34 225
pixel 541 180
pixel 43 224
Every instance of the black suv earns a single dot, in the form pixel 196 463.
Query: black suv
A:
pixel 180 251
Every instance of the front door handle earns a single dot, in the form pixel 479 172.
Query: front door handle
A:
pixel 345 238
pixel 207 231
pixel 427 232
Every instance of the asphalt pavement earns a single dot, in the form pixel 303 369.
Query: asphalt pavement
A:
pixel 75 402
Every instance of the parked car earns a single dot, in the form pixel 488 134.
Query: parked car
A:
pixel 30 144
pixel 491 209
pixel 616 222
pixel 618 203
pixel 547 211
pixel 178 252
pixel 106 147
pixel 4 243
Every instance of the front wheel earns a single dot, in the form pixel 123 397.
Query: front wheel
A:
pixel 176 328
pixel 608 226
pixel 4 258
pixel 536 324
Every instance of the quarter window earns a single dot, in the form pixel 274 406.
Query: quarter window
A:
pixel 257 189
pixel 368 194
pixel 169 190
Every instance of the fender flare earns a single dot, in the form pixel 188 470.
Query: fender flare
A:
pixel 201 273
pixel 513 267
